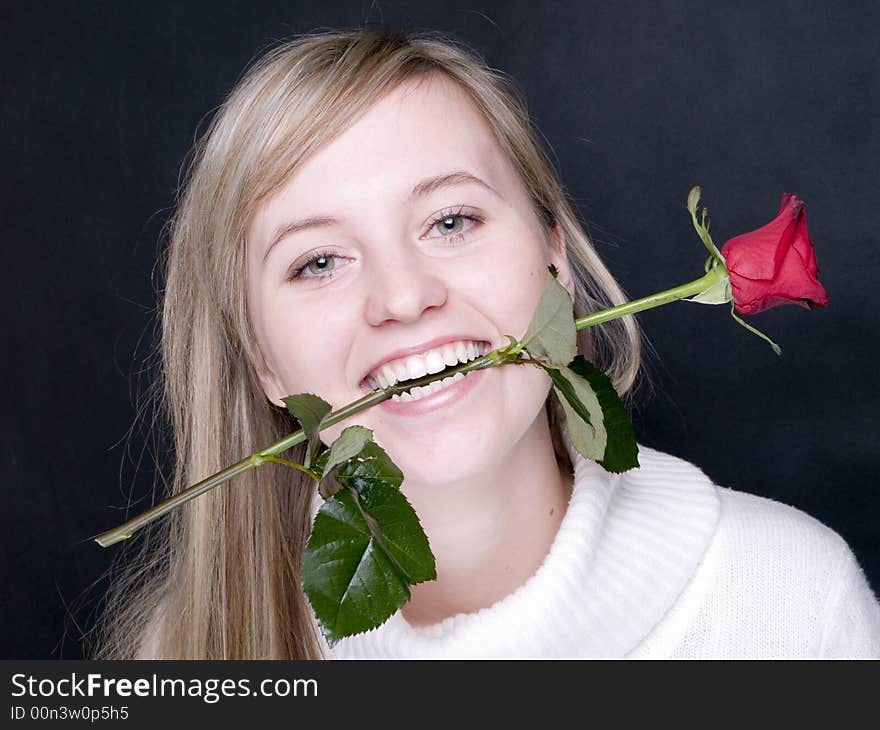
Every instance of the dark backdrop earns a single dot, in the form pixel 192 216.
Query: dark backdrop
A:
pixel 638 102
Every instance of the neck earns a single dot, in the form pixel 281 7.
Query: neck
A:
pixel 491 532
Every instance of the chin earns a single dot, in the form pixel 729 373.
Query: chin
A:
pixel 466 454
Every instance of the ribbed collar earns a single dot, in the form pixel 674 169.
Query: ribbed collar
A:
pixel 626 548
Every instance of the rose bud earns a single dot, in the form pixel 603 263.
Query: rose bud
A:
pixel 775 264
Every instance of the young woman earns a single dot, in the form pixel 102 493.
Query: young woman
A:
pixel 364 206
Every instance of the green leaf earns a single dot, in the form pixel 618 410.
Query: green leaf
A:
pixel 552 332
pixel 621 451
pixel 583 412
pixel 371 473
pixel 327 486
pixel 395 526
pixel 320 461
pixel 367 547
pixel 598 424
pixel 372 465
pixel 309 410
pixel 369 466
pixel 350 443
pixel 350 582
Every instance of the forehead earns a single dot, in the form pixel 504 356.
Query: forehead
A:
pixel 424 127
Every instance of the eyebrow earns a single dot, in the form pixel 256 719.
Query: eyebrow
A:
pixel 421 189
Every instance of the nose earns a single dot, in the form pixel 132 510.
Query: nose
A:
pixel 405 284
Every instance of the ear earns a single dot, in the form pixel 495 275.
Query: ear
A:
pixel 272 387
pixel 559 258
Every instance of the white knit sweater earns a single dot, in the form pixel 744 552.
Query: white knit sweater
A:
pixel 659 562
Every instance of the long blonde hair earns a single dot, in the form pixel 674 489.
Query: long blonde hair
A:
pixel 219 578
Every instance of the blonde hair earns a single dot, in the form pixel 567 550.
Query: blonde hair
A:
pixel 219 578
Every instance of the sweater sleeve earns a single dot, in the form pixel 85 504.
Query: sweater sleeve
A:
pixel 851 621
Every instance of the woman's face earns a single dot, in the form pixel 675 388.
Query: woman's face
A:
pixel 410 231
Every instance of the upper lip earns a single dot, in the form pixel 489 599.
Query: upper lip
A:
pixel 418 350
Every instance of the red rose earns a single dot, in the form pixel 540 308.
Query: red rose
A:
pixel 775 264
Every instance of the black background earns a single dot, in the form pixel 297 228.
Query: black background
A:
pixel 638 101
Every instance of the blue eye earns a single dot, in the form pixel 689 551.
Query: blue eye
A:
pixel 447 222
pixel 324 263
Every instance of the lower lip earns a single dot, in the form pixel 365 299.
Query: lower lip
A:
pixel 441 399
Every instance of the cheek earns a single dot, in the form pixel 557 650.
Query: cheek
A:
pixel 307 357
pixel 514 293
pixel 315 366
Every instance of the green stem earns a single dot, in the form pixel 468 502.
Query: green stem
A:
pixel 288 462
pixel 502 356
pixel 268 454
pixel 654 300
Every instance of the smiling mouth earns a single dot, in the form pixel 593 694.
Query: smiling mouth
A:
pixel 441 381
pixel 420 366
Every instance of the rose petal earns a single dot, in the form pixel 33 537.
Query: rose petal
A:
pixel 775 264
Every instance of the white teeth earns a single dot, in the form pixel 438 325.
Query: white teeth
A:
pixel 435 362
pixel 401 371
pixel 382 378
pixel 422 391
pixel 417 366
